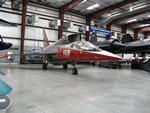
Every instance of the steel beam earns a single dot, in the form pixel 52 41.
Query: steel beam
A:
pixel 62 11
pixel 136 32
pixel 137 22
pixel 69 5
pixel 23 24
pixel 143 29
pixel 100 12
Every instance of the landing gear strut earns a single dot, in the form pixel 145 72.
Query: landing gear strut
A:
pixel 45 64
pixel 74 69
pixel 65 66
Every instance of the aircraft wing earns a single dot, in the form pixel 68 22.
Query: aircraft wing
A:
pixel 135 48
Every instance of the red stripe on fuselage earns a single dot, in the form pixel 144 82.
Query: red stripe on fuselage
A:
pixel 79 55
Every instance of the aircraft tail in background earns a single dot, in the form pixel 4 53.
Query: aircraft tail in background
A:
pixel 45 37
pixel 127 38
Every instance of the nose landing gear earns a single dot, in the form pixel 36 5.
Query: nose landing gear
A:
pixel 74 69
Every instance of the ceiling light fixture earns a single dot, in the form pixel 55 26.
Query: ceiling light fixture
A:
pixel 131 8
pixel 132 20
pixel 135 7
pixel 82 1
pixel 139 7
pixel 92 7
pixel 148 16
pixel 144 25
pixel 109 14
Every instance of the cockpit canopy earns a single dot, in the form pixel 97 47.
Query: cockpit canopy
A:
pixel 84 45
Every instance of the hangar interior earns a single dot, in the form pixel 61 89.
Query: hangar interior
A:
pixel 95 89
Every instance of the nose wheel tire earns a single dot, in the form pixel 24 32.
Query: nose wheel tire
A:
pixel 45 65
pixel 74 71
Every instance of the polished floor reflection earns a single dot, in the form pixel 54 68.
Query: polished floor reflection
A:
pixel 94 90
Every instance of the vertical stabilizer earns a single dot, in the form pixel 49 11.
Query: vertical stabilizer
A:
pixel 127 38
pixel 46 42
pixel 93 39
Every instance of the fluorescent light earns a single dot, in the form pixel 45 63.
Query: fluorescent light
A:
pixel 135 7
pixel 96 5
pixel 132 20
pixel 139 7
pixel 109 14
pixel 144 25
pixel 148 16
pixel 83 1
pixel 131 8
pixel 92 7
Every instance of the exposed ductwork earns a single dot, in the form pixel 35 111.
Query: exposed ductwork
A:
pixel 125 14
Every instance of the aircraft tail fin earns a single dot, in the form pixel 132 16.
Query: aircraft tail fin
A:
pixel 46 42
pixel 93 39
pixel 127 38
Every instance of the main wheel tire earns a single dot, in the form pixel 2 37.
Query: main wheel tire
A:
pixel 119 66
pixel 65 66
pixel 93 63
pixel 45 65
pixel 74 71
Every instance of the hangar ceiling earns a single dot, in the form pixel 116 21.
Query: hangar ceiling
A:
pixel 82 8
pixel 54 3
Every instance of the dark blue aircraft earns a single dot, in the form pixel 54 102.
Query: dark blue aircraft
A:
pixel 4 45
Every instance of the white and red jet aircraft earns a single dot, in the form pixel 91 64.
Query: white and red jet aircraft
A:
pixel 67 50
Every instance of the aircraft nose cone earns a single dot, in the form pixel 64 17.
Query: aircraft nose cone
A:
pixel 118 45
pixel 110 56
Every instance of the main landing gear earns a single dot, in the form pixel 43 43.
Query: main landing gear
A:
pixel 74 69
pixel 45 64
pixel 65 66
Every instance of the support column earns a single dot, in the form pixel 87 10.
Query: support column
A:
pixel 145 35
pixel 88 23
pixel 124 29
pixel 136 32
pixel 60 28
pixel 108 27
pixel 23 25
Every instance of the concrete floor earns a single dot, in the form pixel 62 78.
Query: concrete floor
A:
pixel 95 90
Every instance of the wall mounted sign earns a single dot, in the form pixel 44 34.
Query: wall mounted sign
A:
pixel 102 31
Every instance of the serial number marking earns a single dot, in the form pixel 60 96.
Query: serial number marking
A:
pixel 66 52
